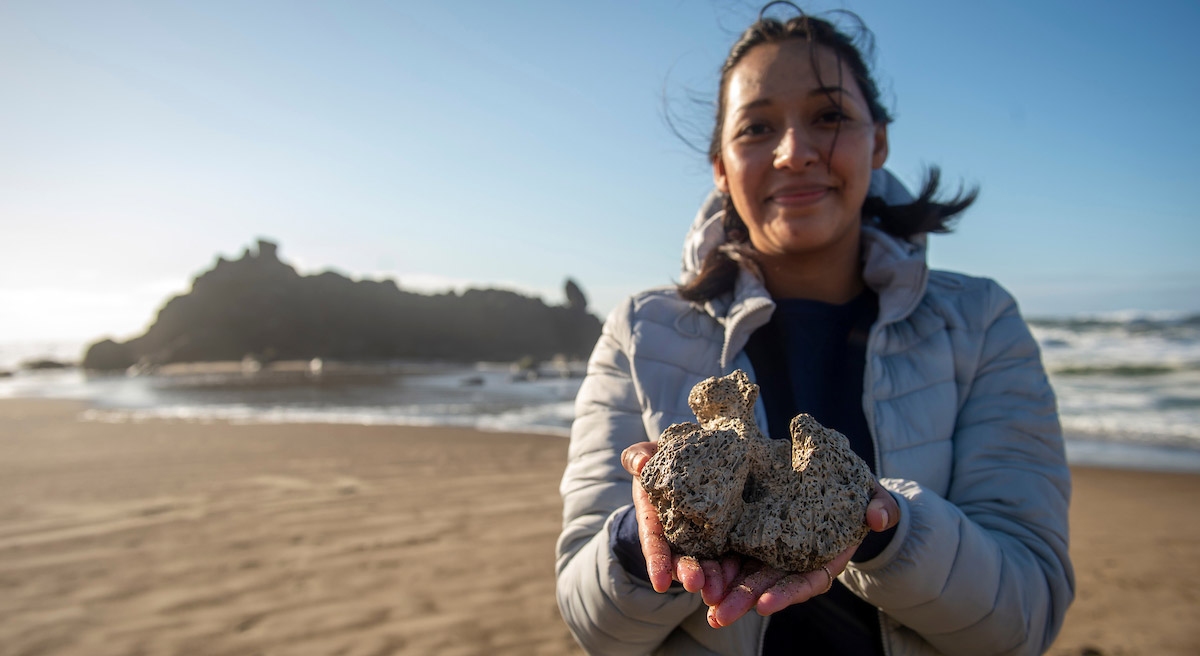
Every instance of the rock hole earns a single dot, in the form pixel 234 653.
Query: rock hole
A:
pixel 753 491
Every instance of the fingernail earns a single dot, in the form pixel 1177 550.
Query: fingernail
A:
pixel 639 461
pixel 885 517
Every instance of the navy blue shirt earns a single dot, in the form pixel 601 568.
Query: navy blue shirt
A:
pixel 810 357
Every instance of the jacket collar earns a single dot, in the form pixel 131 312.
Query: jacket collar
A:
pixel 896 270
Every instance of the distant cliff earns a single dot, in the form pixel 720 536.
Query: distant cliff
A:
pixel 259 306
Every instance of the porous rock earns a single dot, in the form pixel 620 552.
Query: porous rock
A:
pixel 721 485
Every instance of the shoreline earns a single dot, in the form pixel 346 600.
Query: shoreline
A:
pixel 281 393
pixel 1082 450
pixel 1085 451
pixel 182 537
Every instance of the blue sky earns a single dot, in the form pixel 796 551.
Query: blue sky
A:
pixel 446 144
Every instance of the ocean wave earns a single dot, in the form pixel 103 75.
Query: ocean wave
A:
pixel 1173 325
pixel 1177 402
pixel 1111 350
pixel 1147 430
pixel 1124 370
pixel 1133 456
pixel 549 419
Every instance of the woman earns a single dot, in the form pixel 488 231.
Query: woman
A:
pixel 812 277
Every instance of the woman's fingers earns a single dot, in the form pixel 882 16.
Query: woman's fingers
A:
pixel 663 565
pixel 717 577
pixel 714 582
pixel 769 590
pixel 731 566
pixel 793 589
pixel 800 587
pixel 660 564
pixel 882 512
pixel 839 562
pixel 635 457
pixel 690 573
pixel 742 596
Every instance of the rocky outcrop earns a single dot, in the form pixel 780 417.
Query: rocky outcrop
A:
pixel 259 306
pixel 107 355
pixel 722 486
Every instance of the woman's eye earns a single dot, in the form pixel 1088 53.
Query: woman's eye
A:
pixel 754 130
pixel 832 116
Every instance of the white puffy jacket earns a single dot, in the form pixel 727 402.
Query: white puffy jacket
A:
pixel 966 438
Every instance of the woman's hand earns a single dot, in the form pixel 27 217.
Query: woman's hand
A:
pixel 882 512
pixel 751 583
pixel 769 590
pixel 707 577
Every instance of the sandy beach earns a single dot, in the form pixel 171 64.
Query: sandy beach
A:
pixel 166 537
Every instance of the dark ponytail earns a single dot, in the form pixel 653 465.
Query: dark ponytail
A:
pixel 923 214
pixel 719 271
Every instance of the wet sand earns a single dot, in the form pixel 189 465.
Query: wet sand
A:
pixel 186 538
pixel 1135 544
pixel 182 538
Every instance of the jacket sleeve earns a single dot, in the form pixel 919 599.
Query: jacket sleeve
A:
pixel 608 611
pixel 985 570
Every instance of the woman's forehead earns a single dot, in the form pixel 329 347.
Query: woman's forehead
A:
pixel 789 68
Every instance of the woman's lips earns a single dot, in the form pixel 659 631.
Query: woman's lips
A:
pixel 799 196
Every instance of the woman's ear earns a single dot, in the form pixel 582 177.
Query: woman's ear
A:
pixel 879 155
pixel 719 179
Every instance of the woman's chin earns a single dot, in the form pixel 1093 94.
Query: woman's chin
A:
pixel 806 236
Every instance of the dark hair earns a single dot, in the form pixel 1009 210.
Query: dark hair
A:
pixel 719 270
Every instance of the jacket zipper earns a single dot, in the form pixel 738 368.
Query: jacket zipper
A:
pixel 883 636
pixel 869 413
pixel 762 635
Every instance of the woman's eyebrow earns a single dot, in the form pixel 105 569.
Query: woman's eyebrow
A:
pixel 829 90
pixel 819 91
pixel 753 104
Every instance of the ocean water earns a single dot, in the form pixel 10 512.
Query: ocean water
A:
pixel 485 396
pixel 1128 388
pixel 1126 378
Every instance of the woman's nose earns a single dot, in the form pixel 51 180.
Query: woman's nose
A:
pixel 795 150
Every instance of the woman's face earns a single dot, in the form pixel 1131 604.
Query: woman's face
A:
pixel 796 192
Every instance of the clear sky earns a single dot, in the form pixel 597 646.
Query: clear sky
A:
pixel 515 144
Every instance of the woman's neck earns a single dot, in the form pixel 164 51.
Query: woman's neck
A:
pixel 831 277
